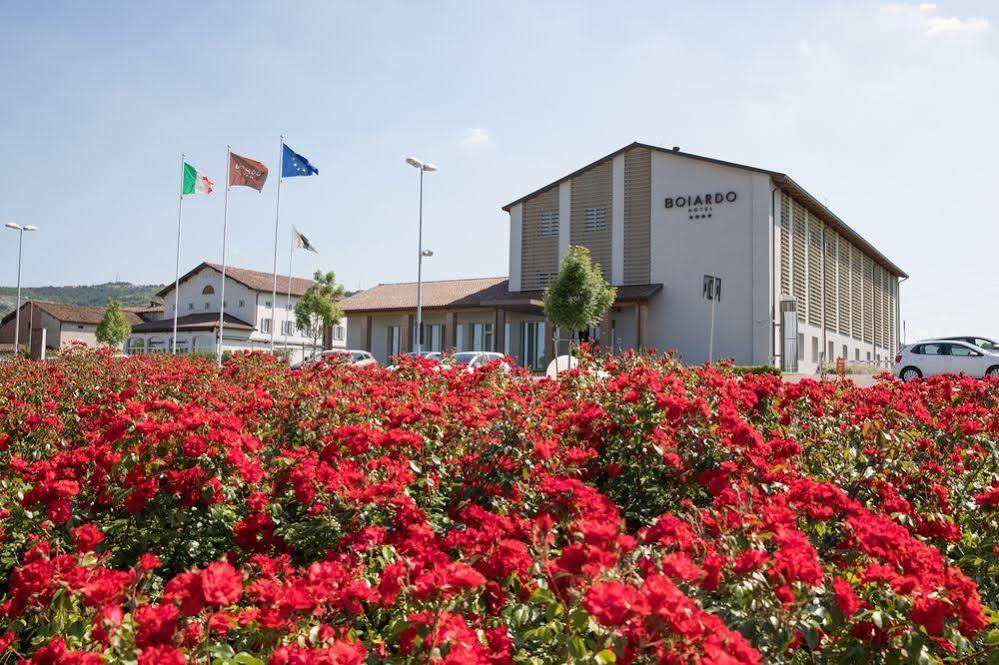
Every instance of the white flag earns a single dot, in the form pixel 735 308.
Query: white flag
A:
pixel 301 241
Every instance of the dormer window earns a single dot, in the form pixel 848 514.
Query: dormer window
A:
pixel 209 290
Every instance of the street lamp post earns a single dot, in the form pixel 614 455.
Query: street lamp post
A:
pixel 17 307
pixel 423 167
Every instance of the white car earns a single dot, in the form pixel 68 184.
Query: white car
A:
pixel 475 359
pixel 349 356
pixel 931 357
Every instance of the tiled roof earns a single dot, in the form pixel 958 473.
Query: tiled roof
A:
pixel 455 293
pixel 74 313
pixel 252 279
pixel 200 321
pixel 445 293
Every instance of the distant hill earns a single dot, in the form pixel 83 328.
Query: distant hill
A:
pixel 95 294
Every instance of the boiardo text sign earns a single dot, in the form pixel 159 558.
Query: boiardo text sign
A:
pixel 710 198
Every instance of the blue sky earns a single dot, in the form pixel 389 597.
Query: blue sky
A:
pixel 884 110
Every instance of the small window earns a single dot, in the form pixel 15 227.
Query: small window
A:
pixel 265 325
pixel 242 304
pixel 267 303
pixel 856 355
pixel 338 333
pixel 209 290
pixel 933 350
pixel 594 219
pixel 815 349
pixel 208 305
pixel 801 346
pixel 548 223
pixel 960 350
pixel 846 353
pixel 190 305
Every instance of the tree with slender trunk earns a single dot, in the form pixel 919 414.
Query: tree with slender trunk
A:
pixel 579 295
pixel 114 327
pixel 319 307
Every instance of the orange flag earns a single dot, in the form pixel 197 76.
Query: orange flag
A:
pixel 246 172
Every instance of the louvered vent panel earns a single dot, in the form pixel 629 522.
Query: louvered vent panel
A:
pixel 866 264
pixel 843 263
pixel 591 214
pixel 637 215
pixel 799 259
pixel 829 279
pixel 785 244
pixel 856 293
pixel 539 240
pixel 814 271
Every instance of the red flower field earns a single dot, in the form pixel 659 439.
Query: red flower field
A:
pixel 158 510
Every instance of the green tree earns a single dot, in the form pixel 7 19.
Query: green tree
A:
pixel 579 294
pixel 114 327
pixel 319 307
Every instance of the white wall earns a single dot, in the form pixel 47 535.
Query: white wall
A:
pixel 516 229
pixel 731 244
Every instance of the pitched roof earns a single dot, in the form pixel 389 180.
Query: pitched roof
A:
pixel 74 313
pixel 199 321
pixel 456 293
pixel 445 293
pixel 782 180
pixel 251 279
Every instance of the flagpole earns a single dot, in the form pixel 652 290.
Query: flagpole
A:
pixel 225 238
pixel 277 216
pixel 291 254
pixel 176 279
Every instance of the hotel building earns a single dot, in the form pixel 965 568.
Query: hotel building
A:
pixel 797 285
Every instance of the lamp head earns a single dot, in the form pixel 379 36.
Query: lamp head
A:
pixel 414 162
pixel 30 227
pixel 12 225
pixel 428 253
pixel 429 167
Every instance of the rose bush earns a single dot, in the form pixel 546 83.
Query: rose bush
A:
pixel 158 510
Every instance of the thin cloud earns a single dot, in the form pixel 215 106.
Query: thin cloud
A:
pixel 932 24
pixel 473 137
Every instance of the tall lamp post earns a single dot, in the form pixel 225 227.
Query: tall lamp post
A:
pixel 17 308
pixel 423 167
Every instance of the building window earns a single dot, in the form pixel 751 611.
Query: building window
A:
pixel 265 325
pixel 208 305
pixel 209 290
pixel 801 346
pixel 287 327
pixel 267 303
pixel 433 337
pixel 832 353
pixel 393 340
pixel 190 305
pixel 856 355
pixel 532 344
pixel 594 219
pixel 337 333
pixel 242 304
pixel 846 353
pixel 548 223
pixel 815 349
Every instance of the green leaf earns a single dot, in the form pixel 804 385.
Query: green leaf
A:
pixel 606 656
pixel 577 647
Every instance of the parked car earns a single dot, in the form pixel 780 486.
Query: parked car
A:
pixel 474 359
pixel 436 356
pixel 980 342
pixel 352 357
pixel 931 357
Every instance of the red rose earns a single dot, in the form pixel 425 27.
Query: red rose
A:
pixel 221 584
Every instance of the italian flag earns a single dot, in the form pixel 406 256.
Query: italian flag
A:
pixel 195 182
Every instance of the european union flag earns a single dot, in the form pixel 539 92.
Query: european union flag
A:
pixel 293 164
